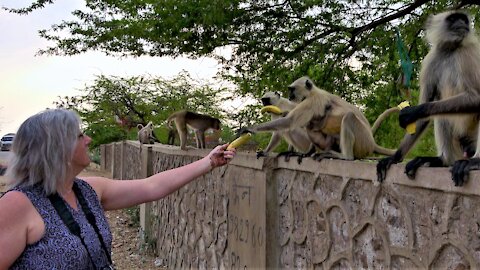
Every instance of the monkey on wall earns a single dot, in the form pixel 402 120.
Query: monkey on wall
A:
pixel 449 93
pixel 326 116
pixel 296 138
pixel 198 122
pixel 145 133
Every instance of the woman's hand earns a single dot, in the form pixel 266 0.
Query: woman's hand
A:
pixel 219 156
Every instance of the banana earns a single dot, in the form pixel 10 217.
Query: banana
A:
pixel 411 128
pixel 239 141
pixel 271 109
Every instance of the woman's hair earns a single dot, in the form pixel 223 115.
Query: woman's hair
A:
pixel 43 148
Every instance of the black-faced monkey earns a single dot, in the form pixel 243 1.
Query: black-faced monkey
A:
pixel 198 122
pixel 449 92
pixel 296 138
pixel 145 133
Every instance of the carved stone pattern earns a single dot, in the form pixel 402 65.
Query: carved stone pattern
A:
pixel 133 162
pixel 108 157
pixel 324 221
pixel 191 223
pixel 117 160
pixel 333 223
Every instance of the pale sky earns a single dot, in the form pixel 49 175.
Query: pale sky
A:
pixel 29 83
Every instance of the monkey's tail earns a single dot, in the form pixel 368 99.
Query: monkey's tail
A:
pixel 384 151
pixel 170 119
pixel 382 117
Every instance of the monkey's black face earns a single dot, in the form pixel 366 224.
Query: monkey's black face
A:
pixel 291 93
pixel 266 101
pixel 458 24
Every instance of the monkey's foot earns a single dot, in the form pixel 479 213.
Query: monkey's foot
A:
pixel 461 169
pixel 383 165
pixel 321 156
pixel 413 165
pixel 288 154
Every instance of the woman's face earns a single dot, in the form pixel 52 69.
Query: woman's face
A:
pixel 80 157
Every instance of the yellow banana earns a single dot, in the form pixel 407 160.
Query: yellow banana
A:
pixel 411 128
pixel 272 109
pixel 239 141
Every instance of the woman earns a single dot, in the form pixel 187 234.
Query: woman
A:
pixel 50 219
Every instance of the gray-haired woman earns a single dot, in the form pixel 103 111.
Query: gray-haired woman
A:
pixel 50 219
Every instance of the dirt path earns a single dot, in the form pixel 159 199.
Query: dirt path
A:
pixel 126 250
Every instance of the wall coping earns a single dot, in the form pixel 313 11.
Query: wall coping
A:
pixel 427 178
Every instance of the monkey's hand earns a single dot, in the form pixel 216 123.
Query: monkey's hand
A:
pixel 408 115
pixel 260 154
pixel 461 168
pixel 413 165
pixel 385 164
pixel 244 130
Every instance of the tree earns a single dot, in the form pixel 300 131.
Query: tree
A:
pixel 347 47
pixel 139 99
pixel 273 42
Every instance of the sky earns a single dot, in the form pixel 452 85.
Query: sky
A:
pixel 30 84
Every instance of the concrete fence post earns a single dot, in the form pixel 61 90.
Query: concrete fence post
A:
pixel 122 160
pixel 146 171
pixel 102 158
pixel 115 165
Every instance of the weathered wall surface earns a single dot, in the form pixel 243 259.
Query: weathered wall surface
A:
pixel 330 214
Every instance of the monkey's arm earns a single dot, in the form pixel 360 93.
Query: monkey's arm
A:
pixel 458 104
pixel 274 142
pixel 407 143
pixel 274 125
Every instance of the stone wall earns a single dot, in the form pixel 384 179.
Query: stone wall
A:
pixel 329 214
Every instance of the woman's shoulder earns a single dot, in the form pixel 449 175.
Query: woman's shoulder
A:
pixel 89 188
pixel 15 205
pixel 16 198
pixel 97 183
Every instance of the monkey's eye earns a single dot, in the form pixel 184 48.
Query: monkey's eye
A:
pixel 81 135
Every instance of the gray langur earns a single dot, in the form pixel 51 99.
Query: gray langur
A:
pixel 198 122
pixel 449 93
pixel 145 133
pixel 323 113
pixel 297 138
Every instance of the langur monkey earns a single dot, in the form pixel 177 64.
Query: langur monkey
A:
pixel 145 133
pixel 326 114
pixel 449 92
pixel 198 122
pixel 296 138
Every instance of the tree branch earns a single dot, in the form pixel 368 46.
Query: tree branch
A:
pixel 354 32
pixel 464 3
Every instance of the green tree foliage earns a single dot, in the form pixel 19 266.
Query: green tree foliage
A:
pixel 138 100
pixel 347 47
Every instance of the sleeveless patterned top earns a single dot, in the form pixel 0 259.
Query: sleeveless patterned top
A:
pixel 58 248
